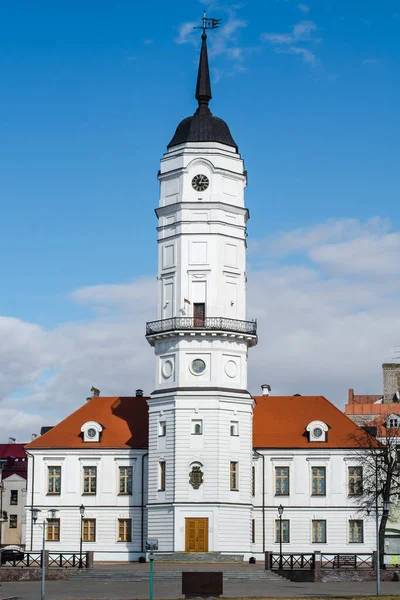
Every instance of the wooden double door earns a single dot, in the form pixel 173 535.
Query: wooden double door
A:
pixel 196 535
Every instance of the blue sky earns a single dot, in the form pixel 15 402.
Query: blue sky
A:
pixel 91 94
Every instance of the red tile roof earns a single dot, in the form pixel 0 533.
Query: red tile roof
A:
pixel 281 421
pixel 124 419
pixel 372 409
pixel 16 460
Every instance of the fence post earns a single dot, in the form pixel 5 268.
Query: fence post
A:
pixel 0 558
pixel 89 559
pixel 46 558
pixel 374 560
pixel 267 560
pixel 317 565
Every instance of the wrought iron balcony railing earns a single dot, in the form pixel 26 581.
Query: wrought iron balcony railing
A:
pixel 207 323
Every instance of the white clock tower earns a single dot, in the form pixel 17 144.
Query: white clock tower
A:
pixel 200 413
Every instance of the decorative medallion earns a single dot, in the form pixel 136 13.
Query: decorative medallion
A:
pixel 200 183
pixel 231 369
pixel 167 369
pixel 196 477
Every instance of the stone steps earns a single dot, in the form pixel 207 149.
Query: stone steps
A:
pixel 143 575
pixel 198 557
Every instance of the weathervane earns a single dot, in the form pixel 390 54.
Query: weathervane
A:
pixel 208 23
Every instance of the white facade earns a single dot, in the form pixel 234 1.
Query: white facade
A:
pixel 13 493
pixel 336 508
pixel 106 506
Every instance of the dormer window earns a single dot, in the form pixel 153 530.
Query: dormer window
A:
pixel 317 431
pixel 393 421
pixel 91 431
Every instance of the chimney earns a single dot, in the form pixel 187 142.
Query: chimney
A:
pixel 139 393
pixel 11 440
pixel 265 389
pixel 33 436
pixel 95 393
pixel 391 381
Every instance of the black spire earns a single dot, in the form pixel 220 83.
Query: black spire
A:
pixel 203 87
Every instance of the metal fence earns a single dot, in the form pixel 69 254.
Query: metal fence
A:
pixel 347 561
pixel 292 561
pixel 206 323
pixel 63 560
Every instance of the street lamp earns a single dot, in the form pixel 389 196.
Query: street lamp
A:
pixel 280 512
pixel 35 515
pixel 3 462
pixel 82 513
pixel 386 508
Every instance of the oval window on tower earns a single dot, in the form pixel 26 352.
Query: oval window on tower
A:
pixel 198 366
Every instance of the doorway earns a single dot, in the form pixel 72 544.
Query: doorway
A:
pixel 199 313
pixel 196 535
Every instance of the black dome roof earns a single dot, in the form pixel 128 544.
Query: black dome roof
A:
pixel 203 126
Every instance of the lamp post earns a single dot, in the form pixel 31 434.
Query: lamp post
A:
pixel 280 512
pixel 3 463
pixel 35 515
pixel 82 513
pixel 386 508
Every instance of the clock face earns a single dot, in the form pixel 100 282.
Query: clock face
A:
pixel 200 183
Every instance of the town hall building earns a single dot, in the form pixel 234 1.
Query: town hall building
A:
pixel 200 464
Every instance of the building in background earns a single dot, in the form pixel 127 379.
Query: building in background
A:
pixel 13 478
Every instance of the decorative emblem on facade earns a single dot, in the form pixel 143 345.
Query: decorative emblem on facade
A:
pixel 196 477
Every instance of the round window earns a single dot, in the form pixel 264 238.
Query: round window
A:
pixel 91 432
pixel 198 366
pixel 167 369
pixel 317 432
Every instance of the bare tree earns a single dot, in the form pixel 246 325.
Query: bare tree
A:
pixel 378 453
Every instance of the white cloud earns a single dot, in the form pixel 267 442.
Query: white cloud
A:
pixel 304 8
pixel 185 34
pixel 370 61
pixel 326 323
pixel 288 43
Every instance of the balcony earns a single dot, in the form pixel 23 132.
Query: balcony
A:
pixel 193 324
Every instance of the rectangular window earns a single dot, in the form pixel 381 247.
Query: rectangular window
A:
pixel 319 532
pixel 356 532
pixel 285 531
pixel 355 481
pixel 281 481
pixel 125 480
pixel 53 480
pixel 253 481
pixel 253 531
pixel 13 496
pixel 234 429
pixel 197 427
pixel 53 530
pixel 162 476
pixel 394 422
pixel 89 480
pixel 162 428
pixel 13 521
pixel 234 476
pixel 89 530
pixel 318 483
pixel 124 530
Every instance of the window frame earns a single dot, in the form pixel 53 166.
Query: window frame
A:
pixel 234 429
pixel 354 521
pixel 127 530
pixel 253 531
pixel 13 522
pixel 53 477
pixel 162 428
pixel 126 479
pixel 318 479
pixel 282 479
pixel 253 480
pixel 354 480
pixel 317 540
pixel 90 478
pixel 86 521
pixel 234 476
pixel 285 522
pixel 197 423
pixel 51 530
pixel 14 501
pixel 162 478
